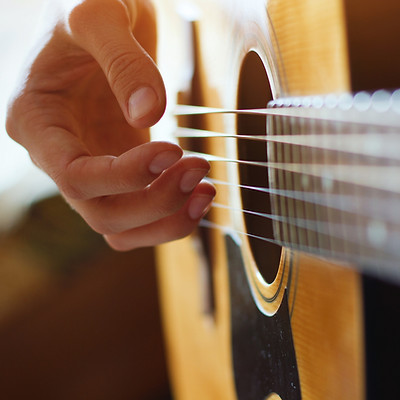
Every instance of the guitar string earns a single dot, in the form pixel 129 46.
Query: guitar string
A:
pixel 368 144
pixel 381 265
pixel 304 195
pixel 291 167
pixel 378 177
pixel 349 203
pixel 205 223
pixel 335 201
pixel 392 119
pixel 343 230
pixel 348 233
pixel 297 157
pixel 351 200
pixel 321 227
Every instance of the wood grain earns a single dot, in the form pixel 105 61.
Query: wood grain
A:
pixel 304 48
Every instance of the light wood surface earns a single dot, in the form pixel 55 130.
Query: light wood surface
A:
pixel 303 47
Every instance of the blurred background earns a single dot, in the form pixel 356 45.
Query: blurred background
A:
pixel 77 320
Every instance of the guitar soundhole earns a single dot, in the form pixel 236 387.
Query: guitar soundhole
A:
pixel 255 92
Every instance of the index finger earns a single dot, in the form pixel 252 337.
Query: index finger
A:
pixel 76 172
pixel 88 177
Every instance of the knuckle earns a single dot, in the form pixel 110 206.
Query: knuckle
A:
pixel 124 64
pixel 11 127
pixel 115 178
pixel 93 216
pixel 183 230
pixel 67 188
pixel 100 219
pixel 117 244
pixel 165 208
pixel 69 191
pixel 82 17
pixel 163 204
pixel 18 111
pixel 99 225
pixel 79 16
pixel 68 179
pixel 89 215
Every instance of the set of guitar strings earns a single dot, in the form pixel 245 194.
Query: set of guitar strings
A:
pixel 360 183
pixel 382 108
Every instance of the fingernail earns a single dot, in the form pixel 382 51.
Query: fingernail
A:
pixel 142 102
pixel 163 160
pixel 191 179
pixel 199 206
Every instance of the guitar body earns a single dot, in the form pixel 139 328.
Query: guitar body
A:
pixel 244 320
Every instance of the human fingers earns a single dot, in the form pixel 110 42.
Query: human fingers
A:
pixel 164 197
pixel 89 177
pixel 104 29
pixel 173 227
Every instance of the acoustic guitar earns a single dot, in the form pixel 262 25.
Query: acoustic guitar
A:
pixel 288 290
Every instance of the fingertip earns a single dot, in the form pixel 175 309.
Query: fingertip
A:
pixel 191 179
pixel 201 200
pixel 199 206
pixel 118 245
pixel 146 102
pixel 143 104
pixel 164 160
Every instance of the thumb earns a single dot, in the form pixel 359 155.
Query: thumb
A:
pixel 104 29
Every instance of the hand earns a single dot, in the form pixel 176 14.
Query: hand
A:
pixel 83 111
